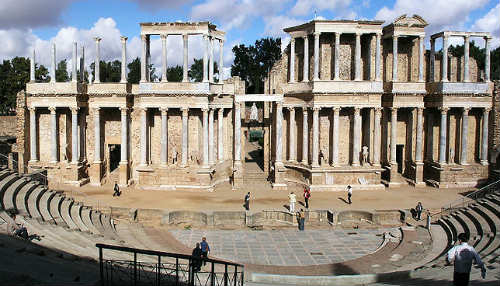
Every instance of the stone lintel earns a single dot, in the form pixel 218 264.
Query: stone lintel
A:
pixel 405 87
pixel 174 88
pixel 55 88
pixel 54 101
pixel 109 88
pixel 460 87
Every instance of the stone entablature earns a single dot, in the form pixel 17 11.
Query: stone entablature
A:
pixel 181 28
pixel 336 26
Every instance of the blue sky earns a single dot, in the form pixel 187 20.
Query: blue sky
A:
pixel 35 24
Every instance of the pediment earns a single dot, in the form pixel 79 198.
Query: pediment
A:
pixel 413 21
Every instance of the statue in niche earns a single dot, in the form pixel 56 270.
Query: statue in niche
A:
pixel 321 156
pixel 254 113
pixel 174 155
pixel 451 159
pixel 364 155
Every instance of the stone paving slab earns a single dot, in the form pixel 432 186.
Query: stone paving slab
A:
pixel 286 247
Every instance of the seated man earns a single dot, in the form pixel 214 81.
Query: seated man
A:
pixel 17 229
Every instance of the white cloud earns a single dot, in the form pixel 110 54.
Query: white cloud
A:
pixel 275 25
pixel 305 7
pixel 155 5
pixel 22 14
pixel 490 23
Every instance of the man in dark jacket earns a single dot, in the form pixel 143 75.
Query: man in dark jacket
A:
pixel 196 258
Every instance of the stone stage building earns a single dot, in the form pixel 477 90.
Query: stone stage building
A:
pixel 365 105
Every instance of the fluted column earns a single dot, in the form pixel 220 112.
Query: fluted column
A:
pixel 487 59
pixel 421 55
pixel 237 133
pixel 466 77
pixel 279 132
pixel 306 60
pixel 164 136
pixel 74 135
pixel 184 147
pixel 376 136
pixel 220 135
pixel 185 57
pixel 484 137
pixel 205 137
pixel 82 66
pixel 124 139
pixel 32 67
pixel 464 135
pixel 293 136
pixel 432 60
pixel 211 59
pixel 97 136
pixel 123 78
pixel 305 137
pixel 377 57
pixel 211 139
pixel 205 58
pixel 97 75
pixel 221 61
pixel 442 135
pixel 143 58
pixel 53 64
pixel 419 140
pixel 74 70
pixel 335 141
pixel 164 58
pixel 336 58
pixel 315 151
pixel 316 55
pixel 53 133
pixel 144 128
pixel 357 58
pixel 394 58
pixel 292 59
pixel 33 138
pixel 444 66
pixel 356 148
pixel 394 134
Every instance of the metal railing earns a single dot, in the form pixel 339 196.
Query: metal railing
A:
pixel 467 199
pixel 148 267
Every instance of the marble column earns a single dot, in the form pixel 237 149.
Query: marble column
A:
pixel 279 132
pixel 357 58
pixel 464 134
pixel 466 77
pixel 164 57
pixel 444 62
pixel 74 69
pixel 305 137
pixel 487 59
pixel 442 135
pixel 124 139
pixel 421 56
pixel 316 55
pixel 394 59
pixel 221 61
pixel 53 134
pixel 124 59
pixel 376 136
pixel 237 133
pixel 336 58
pixel 484 137
pixel 97 74
pixel 211 139
pixel 32 67
pixel 53 64
pixel 292 136
pixel 97 136
pixel 164 136
pixel 184 147
pixel 419 139
pixel 144 135
pixel 220 135
pixel 394 134
pixel 211 59
pixel 33 138
pixel 315 151
pixel 305 71
pixel 292 60
pixel 185 62
pixel 205 58
pixel 356 148
pixel 143 58
pixel 377 57
pixel 432 60
pixel 335 137
pixel 74 135
pixel 205 137
pixel 82 66
pixel 148 58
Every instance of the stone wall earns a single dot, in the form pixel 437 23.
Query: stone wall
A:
pixel 8 126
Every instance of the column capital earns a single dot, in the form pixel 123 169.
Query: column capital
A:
pixel 52 109
pixel 205 109
pixel 358 34
pixel 338 34
pixel 420 110
pixel 185 110
pixel 486 109
pixel 304 110
pixel 96 109
pixel 292 39
pixel 123 110
pixel 74 110
pixel 305 37
pixel 336 109
pixel 466 37
pixel 220 109
pixel 123 39
pixel 466 109
pixel 316 34
pixel 444 110
pixel 357 110
pixel 185 36
pixel 290 108
pixel 32 109
pixel 378 34
pixel 395 37
pixel 378 110
pixel 163 36
pixel 143 37
pixel 97 39
pixel 163 110
pixel 316 108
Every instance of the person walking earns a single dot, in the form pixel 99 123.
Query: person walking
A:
pixel 117 192
pixel 196 264
pixel 205 249
pixel 349 194
pixel 307 195
pixel 462 256
pixel 293 199
pixel 301 217
pixel 419 208
pixel 247 201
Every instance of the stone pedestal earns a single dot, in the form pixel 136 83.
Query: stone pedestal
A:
pixel 124 171
pixel 279 182
pixel 418 176
pixel 394 176
pixel 95 173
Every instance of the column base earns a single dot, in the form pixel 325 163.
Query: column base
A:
pixel 33 161
pixel 95 173
pixel 484 163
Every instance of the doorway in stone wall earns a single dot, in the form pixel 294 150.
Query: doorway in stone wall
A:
pixel 399 157
pixel 114 156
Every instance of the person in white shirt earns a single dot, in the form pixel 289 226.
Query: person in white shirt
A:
pixel 462 256
pixel 349 194
pixel 293 200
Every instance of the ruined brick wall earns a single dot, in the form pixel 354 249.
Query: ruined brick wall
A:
pixel 22 131
pixel 494 134
pixel 8 125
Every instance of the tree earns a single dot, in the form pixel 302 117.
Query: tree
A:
pixel 175 73
pixel 252 63
pixel 62 71
pixel 41 74
pixel 134 74
pixel 474 51
pixel 108 71
pixel 495 64
pixel 196 70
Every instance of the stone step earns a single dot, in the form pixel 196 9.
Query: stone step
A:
pixel 77 218
pixel 487 216
pixel 109 227
pixel 10 193
pixel 96 222
pixel 4 184
pixel 44 205
pixel 494 221
pixel 65 211
pixel 34 200
pixel 21 200
pixel 452 229
pixel 471 226
pixel 482 227
pixel 85 216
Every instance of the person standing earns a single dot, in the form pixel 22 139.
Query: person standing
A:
pixel 349 194
pixel 419 208
pixel 247 201
pixel 196 264
pixel 302 217
pixel 462 256
pixel 293 199
pixel 117 190
pixel 205 249
pixel 307 195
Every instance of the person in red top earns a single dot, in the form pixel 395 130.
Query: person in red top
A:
pixel 307 195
